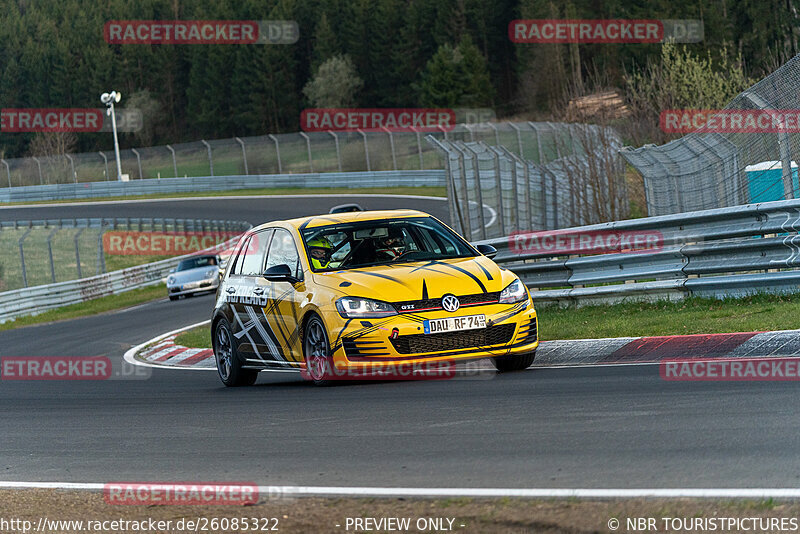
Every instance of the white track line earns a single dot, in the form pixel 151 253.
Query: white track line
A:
pixel 226 197
pixel 130 354
pixel 586 493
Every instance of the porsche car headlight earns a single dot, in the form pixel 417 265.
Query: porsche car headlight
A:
pixel 355 307
pixel 514 292
pixel 212 273
pixel 170 280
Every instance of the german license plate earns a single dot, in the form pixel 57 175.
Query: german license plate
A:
pixel 454 324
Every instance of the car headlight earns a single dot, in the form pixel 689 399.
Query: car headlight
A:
pixel 355 307
pixel 170 280
pixel 514 292
pixel 211 273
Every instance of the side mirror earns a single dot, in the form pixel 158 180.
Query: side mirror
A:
pixel 487 250
pixel 280 273
pixel 173 269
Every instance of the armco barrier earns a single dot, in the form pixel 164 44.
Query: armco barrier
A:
pixel 722 252
pixel 382 179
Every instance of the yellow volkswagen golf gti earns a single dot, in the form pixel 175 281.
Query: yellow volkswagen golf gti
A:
pixel 365 293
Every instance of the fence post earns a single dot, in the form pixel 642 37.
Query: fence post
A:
pixel 8 171
pixel 540 157
pixel 174 161
pixel 101 258
pixel 499 181
pixel 308 147
pixel 38 163
pixel 519 138
pixel 105 159
pixel 210 158
pixel 391 144
pixel 496 134
pixel 278 152
pixel 419 147
pixel 72 166
pixel 338 153
pixel 50 254
pixel 22 256
pixel 366 149
pixel 138 162
pixel 244 155
pixel 77 252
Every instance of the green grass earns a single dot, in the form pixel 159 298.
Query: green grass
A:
pixel 432 191
pixel 92 307
pixel 691 316
pixel 199 337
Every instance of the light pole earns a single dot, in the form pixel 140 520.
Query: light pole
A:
pixel 109 99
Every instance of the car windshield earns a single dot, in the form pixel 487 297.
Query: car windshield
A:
pixel 382 242
pixel 194 263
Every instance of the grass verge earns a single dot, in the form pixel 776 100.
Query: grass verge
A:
pixel 199 337
pixel 691 316
pixel 423 191
pixel 91 307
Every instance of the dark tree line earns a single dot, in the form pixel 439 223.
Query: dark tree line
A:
pixel 52 54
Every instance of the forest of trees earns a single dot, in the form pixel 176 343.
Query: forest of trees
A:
pixel 404 53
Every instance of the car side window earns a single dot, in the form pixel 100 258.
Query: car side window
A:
pixel 283 251
pixel 252 254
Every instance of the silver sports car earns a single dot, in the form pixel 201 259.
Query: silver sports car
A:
pixel 194 275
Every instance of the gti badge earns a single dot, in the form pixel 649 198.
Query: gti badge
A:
pixel 450 303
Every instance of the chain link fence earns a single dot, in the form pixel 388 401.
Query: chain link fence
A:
pixel 713 170
pixel 291 153
pixel 577 178
pixel 49 251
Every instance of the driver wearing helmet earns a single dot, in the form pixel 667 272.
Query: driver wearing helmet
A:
pixel 319 248
pixel 390 247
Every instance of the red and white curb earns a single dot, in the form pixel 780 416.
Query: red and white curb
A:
pixel 162 352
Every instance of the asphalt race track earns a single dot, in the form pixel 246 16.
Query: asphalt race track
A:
pixel 592 427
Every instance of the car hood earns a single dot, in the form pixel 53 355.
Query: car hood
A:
pixel 419 280
pixel 198 273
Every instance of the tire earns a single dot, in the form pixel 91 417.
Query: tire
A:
pixel 518 362
pixel 174 297
pixel 229 367
pixel 317 352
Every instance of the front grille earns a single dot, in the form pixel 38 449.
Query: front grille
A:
pixel 421 343
pixel 411 306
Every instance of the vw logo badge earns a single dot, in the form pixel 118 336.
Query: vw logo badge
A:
pixel 450 303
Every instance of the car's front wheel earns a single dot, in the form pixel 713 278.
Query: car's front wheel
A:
pixel 229 367
pixel 516 362
pixel 317 352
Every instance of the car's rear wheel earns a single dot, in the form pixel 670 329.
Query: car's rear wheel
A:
pixel 229 367
pixel 516 362
pixel 317 352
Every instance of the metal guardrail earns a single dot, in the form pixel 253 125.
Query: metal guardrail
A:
pixel 69 191
pixel 35 300
pixel 725 252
